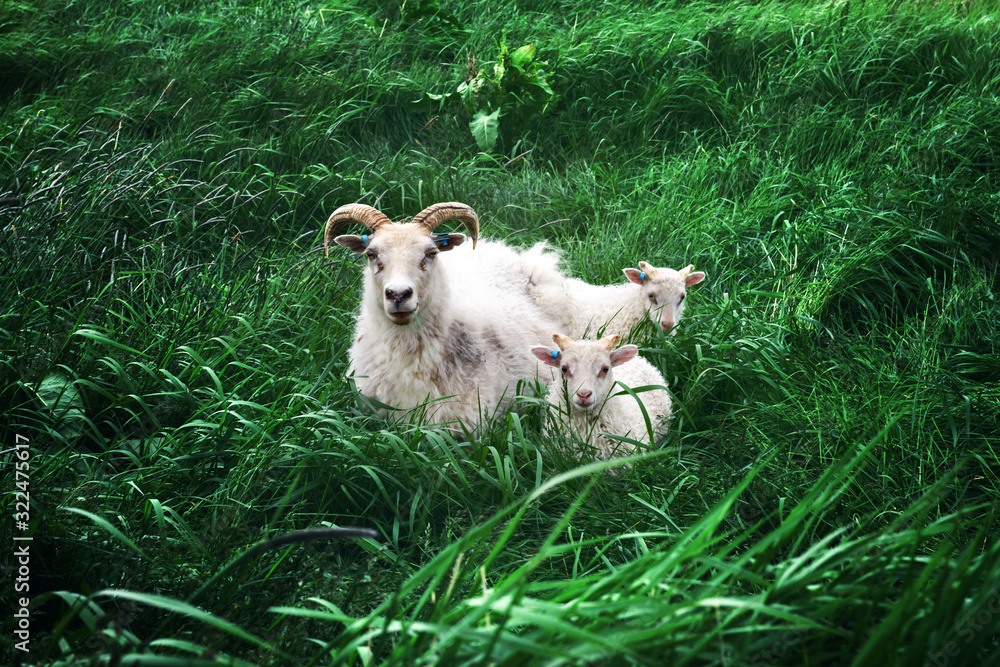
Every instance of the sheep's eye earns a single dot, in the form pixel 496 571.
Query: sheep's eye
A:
pixel 682 298
pixel 372 255
pixel 604 371
pixel 565 370
pixel 652 297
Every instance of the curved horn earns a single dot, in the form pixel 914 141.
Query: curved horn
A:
pixel 435 214
pixel 369 216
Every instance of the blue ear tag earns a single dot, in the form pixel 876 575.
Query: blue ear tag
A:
pixel 555 354
pixel 642 276
pixel 364 238
pixel 444 241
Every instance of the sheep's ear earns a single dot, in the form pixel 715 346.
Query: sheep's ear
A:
pixel 633 276
pixel 694 278
pixel 446 242
pixel 544 355
pixel 623 354
pixel 352 242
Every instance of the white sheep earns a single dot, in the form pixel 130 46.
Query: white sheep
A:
pixel 589 402
pixel 442 328
pixel 653 293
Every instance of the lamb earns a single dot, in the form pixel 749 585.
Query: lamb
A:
pixel 584 398
pixel 442 329
pixel 658 294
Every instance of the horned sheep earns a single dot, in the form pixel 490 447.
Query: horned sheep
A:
pixel 584 399
pixel 654 293
pixel 442 328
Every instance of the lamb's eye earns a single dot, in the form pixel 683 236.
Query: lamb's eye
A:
pixel 372 255
pixel 565 370
pixel 604 371
pixel 682 298
pixel 652 297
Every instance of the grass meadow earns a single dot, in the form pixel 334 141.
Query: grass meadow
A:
pixel 173 341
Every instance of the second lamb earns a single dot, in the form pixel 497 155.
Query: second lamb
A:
pixel 586 401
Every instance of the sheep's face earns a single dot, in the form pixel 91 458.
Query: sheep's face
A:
pixel 665 290
pixel 401 261
pixel 586 367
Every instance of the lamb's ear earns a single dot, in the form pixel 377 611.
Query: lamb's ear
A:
pixel 354 243
pixel 446 242
pixel 623 354
pixel 694 278
pixel 634 276
pixel 546 356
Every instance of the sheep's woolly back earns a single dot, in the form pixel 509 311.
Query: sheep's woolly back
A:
pixel 599 310
pixel 602 310
pixel 464 354
pixel 659 407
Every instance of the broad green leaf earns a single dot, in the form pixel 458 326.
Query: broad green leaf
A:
pixel 523 56
pixel 539 81
pixel 485 129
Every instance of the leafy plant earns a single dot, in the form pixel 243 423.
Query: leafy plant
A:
pixel 515 91
pixel 501 101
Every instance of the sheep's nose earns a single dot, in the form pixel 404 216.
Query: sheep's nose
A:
pixel 584 394
pixel 398 295
pixel 667 325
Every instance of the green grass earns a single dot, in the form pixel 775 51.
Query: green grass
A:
pixel 174 341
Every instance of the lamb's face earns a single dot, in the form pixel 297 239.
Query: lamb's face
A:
pixel 587 368
pixel 666 290
pixel 401 261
